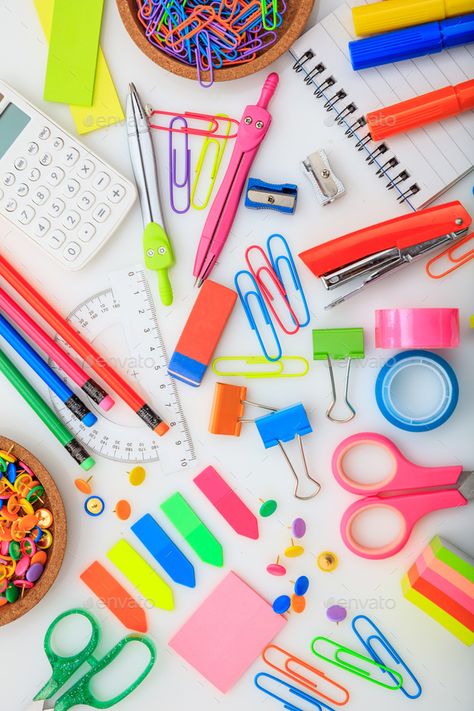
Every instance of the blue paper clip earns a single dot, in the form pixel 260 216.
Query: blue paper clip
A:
pixel 245 299
pixel 290 690
pixel 385 644
pixel 286 260
pixel 174 181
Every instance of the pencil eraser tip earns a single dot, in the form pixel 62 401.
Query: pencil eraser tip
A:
pixel 89 419
pixel 161 429
pixel 87 464
pixel 107 403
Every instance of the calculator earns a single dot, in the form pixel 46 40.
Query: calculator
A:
pixel 53 188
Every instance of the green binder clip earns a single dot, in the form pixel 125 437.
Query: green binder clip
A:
pixel 159 257
pixel 338 344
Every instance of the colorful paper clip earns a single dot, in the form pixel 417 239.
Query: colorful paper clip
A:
pixel 245 297
pixel 220 146
pixel 212 122
pixel 338 344
pixel 286 693
pixel 270 369
pixel 454 256
pixel 282 263
pixel 175 181
pixel 375 635
pixel 266 13
pixel 303 673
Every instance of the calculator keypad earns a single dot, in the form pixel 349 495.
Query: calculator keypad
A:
pixel 63 197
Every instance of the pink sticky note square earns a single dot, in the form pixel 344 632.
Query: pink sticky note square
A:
pixel 227 632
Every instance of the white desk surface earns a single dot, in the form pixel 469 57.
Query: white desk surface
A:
pixel 442 663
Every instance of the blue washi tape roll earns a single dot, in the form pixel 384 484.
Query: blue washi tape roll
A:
pixel 449 391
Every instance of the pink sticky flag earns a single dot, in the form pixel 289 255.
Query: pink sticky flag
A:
pixel 227 632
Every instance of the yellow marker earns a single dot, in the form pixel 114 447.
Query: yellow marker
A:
pixel 141 575
pixel 397 14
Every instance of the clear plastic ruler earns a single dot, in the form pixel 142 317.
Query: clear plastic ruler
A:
pixel 122 324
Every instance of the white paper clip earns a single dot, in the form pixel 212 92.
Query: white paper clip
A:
pixel 327 185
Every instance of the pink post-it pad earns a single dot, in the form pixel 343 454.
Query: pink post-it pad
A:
pixel 227 632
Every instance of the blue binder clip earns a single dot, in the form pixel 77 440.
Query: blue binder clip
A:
pixel 245 297
pixel 285 692
pixel 283 264
pixel 271 196
pixel 284 426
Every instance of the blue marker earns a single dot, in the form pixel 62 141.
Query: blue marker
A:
pixel 47 374
pixel 164 551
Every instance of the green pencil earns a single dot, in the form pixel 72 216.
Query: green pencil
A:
pixel 44 412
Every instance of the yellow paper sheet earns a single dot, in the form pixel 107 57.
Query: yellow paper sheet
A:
pixel 106 109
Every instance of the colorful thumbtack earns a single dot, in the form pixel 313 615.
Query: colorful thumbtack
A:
pixel 336 613
pixel 327 561
pixel 281 605
pixel 83 485
pixel 94 505
pixel 298 528
pixel 268 508
pixel 298 603
pixel 276 568
pixel 136 476
pixel 123 509
pixel 294 551
pixel 301 585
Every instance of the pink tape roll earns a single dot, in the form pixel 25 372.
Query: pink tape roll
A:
pixel 417 328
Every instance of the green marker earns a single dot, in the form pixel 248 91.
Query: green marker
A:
pixel 53 423
pixel 196 533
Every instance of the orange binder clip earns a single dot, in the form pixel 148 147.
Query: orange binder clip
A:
pixel 228 408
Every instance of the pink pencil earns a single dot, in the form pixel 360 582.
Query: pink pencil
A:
pixel 55 352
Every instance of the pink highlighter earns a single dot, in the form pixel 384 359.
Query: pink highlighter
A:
pixel 252 130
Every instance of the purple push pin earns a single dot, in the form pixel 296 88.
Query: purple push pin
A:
pixel 336 613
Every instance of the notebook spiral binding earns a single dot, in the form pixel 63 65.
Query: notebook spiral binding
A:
pixel 344 114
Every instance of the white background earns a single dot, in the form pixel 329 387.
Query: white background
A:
pixel 440 661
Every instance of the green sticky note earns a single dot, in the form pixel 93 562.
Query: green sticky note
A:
pixel 454 557
pixel 73 49
pixel 193 530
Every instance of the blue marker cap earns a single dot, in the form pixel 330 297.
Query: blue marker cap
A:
pixel 411 42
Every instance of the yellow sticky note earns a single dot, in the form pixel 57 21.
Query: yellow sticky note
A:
pixel 141 575
pixel 106 109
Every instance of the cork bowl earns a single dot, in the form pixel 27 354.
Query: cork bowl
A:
pixel 293 23
pixel 53 502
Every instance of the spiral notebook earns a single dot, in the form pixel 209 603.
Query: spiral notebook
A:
pixel 416 167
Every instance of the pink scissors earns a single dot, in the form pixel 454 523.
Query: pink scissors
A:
pixel 409 490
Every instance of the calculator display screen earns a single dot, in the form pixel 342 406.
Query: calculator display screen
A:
pixel 12 123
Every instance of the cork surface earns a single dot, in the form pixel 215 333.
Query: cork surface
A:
pixel 53 502
pixel 292 26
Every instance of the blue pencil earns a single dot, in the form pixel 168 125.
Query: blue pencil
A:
pixel 47 374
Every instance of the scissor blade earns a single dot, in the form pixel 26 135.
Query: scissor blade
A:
pixel 38 706
pixel 466 485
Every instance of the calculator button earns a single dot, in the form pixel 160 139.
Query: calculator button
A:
pixel 71 157
pixel 26 214
pixel 101 181
pixel 8 179
pixel 44 133
pixel 72 251
pixel 71 219
pixel 56 176
pixel 22 190
pixel 11 205
pixel 56 239
pixel 41 226
pixel 71 188
pixel 86 200
pixel 20 163
pixel 58 143
pixel 101 212
pixel 32 148
pixel 34 175
pixel 41 195
pixel 46 159
pixel 86 169
pixel 116 193
pixel 87 231
pixel 57 207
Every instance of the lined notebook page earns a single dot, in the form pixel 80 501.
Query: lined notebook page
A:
pixel 434 157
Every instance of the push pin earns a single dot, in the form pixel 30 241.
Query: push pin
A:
pixel 298 528
pixel 83 485
pixel 327 561
pixel 122 510
pixel 268 508
pixel 276 568
pixel 336 613
pixel 294 551
pixel 136 476
pixel 339 344
pixel 94 506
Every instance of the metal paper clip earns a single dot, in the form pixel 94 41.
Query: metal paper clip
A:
pixel 375 635
pixel 245 297
pixel 337 659
pixel 302 672
pixel 291 693
pixel 270 369
pixel 212 132
pixel 284 426
pixel 176 182
pixel 228 407
pixel 452 256
pixel 338 344
pixel 328 187
pixel 219 153
pixel 285 262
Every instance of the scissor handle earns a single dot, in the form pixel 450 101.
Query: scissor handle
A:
pixel 80 693
pixel 404 474
pixel 63 667
pixel 409 508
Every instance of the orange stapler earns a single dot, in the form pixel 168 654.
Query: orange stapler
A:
pixel 373 252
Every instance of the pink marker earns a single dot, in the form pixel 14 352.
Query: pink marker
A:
pixel 55 352
pixel 252 130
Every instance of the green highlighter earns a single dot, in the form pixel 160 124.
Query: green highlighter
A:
pixel 193 530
